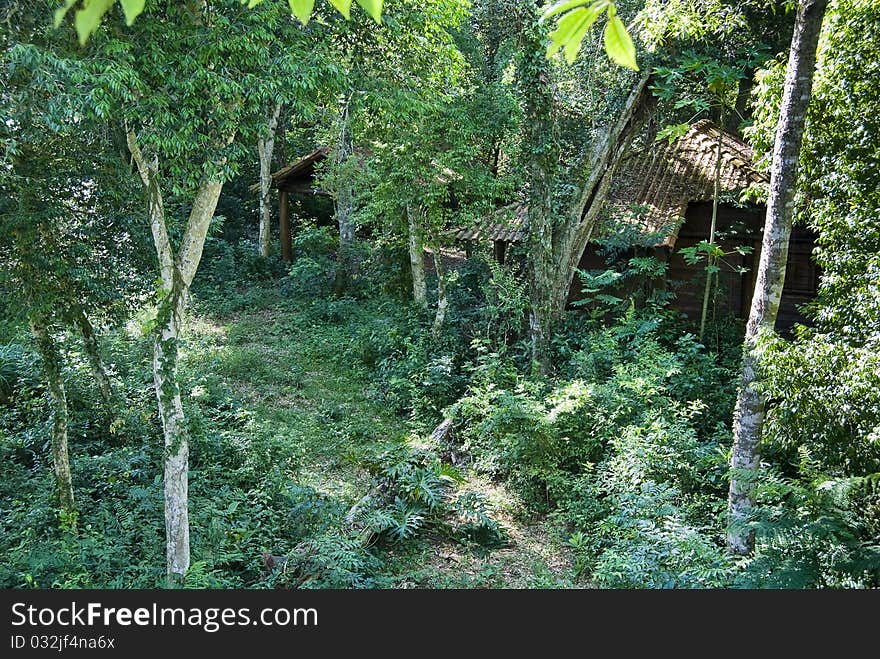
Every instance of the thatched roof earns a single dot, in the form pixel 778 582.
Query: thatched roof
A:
pixel 664 178
pixel 506 224
pixel 661 179
pixel 304 168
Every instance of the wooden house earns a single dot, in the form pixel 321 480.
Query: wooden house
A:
pixel 666 191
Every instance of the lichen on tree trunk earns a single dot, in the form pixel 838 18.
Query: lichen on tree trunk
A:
pixel 48 350
pixel 344 202
pixel 176 441
pixel 748 416
pixel 414 217
pixel 266 147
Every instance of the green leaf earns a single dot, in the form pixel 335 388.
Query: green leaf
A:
pixel 373 8
pixel 61 12
pixel 618 44
pixel 89 18
pixel 343 7
pixel 132 9
pixel 571 29
pixel 574 43
pixel 302 9
pixel 253 3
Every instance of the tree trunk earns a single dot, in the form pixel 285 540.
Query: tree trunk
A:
pixel 266 147
pixel 555 247
pixel 748 415
pixel 90 343
pixel 284 226
pixel 176 274
pixel 345 263
pixel 542 152
pixel 417 255
pixel 712 227
pixel 52 367
pixel 744 92
pixel 344 209
pixel 442 298
pixel 176 441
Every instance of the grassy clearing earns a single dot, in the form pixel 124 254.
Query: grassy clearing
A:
pixel 293 378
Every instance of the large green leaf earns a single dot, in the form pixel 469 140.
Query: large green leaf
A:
pixel 302 9
pixel 343 7
pixel 618 44
pixel 132 9
pixel 573 26
pixel 574 43
pixel 373 8
pixel 89 17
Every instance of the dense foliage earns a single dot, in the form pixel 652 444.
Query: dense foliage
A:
pixel 353 436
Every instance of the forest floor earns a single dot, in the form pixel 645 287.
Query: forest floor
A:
pixel 293 376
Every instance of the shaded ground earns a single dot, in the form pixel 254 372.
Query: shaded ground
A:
pixel 295 381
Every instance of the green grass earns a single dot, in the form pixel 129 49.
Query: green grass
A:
pixel 292 370
pixel 288 421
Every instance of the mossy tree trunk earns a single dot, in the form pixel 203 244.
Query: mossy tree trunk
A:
pixel 176 276
pixel 442 296
pixel 541 138
pixel 51 358
pixel 415 222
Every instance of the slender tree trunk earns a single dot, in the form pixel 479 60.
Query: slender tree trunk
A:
pixel 266 148
pixel 90 343
pixel 748 415
pixel 442 297
pixel 176 442
pixel 345 265
pixel 344 208
pixel 417 255
pixel 176 274
pixel 711 257
pixel 52 367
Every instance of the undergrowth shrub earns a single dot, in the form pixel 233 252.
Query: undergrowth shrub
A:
pixel 623 451
pixel 820 533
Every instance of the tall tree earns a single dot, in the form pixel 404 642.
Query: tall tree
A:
pixel 67 244
pixel 181 84
pixel 397 76
pixel 770 277
pixel 302 73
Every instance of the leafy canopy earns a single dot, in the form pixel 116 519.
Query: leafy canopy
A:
pixel 579 17
pixel 89 14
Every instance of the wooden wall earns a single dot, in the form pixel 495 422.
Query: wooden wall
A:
pixel 735 226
